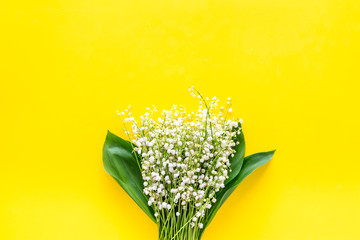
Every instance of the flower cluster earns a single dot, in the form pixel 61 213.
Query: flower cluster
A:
pixel 184 157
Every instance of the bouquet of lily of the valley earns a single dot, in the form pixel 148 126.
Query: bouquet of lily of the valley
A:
pixel 181 167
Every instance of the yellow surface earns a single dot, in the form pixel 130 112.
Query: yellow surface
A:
pixel 291 67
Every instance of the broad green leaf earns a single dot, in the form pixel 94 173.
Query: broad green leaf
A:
pixel 120 162
pixel 250 164
pixel 238 159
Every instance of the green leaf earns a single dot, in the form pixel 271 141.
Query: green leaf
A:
pixel 120 162
pixel 238 159
pixel 250 164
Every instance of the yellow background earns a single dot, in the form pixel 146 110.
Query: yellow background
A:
pixel 291 67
